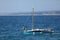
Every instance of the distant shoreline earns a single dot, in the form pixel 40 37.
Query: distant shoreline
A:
pixel 44 13
pixel 34 15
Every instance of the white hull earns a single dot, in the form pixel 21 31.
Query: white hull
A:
pixel 40 31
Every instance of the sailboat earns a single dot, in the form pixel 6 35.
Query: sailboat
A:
pixel 33 31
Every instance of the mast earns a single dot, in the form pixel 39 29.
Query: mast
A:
pixel 32 18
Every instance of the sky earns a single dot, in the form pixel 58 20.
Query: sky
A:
pixel 14 6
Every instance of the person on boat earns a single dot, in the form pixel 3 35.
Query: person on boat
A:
pixel 23 28
pixel 49 30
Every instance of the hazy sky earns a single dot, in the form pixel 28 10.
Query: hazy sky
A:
pixel 11 6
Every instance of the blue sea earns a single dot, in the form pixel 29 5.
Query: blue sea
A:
pixel 11 27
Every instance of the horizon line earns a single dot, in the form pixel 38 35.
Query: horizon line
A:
pixel 31 15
